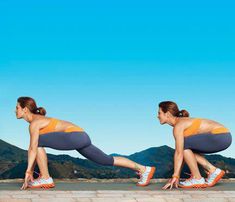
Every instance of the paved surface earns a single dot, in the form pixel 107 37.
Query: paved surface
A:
pixel 115 191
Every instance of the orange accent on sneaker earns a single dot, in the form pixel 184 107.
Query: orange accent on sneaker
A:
pixel 151 173
pixel 193 186
pixel 45 186
pixel 217 179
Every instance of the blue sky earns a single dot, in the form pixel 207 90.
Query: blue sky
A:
pixel 106 65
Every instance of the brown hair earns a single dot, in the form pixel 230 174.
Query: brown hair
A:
pixel 31 105
pixel 169 106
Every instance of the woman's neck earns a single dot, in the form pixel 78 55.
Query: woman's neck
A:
pixel 173 121
pixel 29 117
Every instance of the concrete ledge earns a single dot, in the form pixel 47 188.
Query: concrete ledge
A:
pixel 114 191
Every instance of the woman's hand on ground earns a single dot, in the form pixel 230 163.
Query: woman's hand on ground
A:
pixel 172 182
pixel 28 177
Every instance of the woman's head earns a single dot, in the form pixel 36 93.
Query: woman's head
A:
pixel 167 109
pixel 28 105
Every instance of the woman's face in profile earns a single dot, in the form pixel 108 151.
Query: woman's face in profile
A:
pixel 161 116
pixel 19 111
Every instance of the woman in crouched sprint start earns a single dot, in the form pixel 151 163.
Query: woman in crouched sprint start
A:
pixel 193 138
pixel 63 135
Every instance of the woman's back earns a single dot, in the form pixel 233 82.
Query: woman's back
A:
pixel 198 125
pixel 47 125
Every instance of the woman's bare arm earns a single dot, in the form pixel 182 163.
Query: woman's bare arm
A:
pixel 179 148
pixel 32 151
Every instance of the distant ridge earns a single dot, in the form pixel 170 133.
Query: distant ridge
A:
pixel 13 161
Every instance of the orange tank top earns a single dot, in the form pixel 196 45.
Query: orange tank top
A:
pixel 194 129
pixel 52 125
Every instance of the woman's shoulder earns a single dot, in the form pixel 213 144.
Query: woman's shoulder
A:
pixel 184 122
pixel 40 121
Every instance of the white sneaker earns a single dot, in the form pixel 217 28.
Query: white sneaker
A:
pixel 42 183
pixel 146 176
pixel 214 177
pixel 193 183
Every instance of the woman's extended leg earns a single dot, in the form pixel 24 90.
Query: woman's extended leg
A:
pixel 118 161
pixel 124 162
pixel 81 142
pixel 94 154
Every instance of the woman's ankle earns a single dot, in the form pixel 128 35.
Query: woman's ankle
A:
pixel 197 176
pixel 45 176
pixel 143 168
pixel 212 169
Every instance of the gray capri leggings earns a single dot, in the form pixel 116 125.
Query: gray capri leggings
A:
pixel 79 141
pixel 208 143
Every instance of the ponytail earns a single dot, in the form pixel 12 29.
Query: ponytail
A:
pixel 169 106
pixel 40 110
pixel 183 113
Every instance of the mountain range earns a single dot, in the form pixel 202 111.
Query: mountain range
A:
pixel 13 161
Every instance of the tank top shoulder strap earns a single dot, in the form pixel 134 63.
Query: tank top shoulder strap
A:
pixel 50 127
pixel 193 129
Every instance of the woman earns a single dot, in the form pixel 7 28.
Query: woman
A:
pixel 193 136
pixel 63 135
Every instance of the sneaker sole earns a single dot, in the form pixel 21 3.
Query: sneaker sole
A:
pixel 44 186
pixel 193 186
pixel 217 179
pixel 153 169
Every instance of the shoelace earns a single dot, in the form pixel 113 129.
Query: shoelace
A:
pixel 191 176
pixel 140 175
pixel 38 178
pixel 39 175
pixel 208 175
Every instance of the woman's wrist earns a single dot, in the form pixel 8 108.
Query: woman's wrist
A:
pixel 29 172
pixel 176 176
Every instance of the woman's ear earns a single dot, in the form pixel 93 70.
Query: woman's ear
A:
pixel 25 109
pixel 168 114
